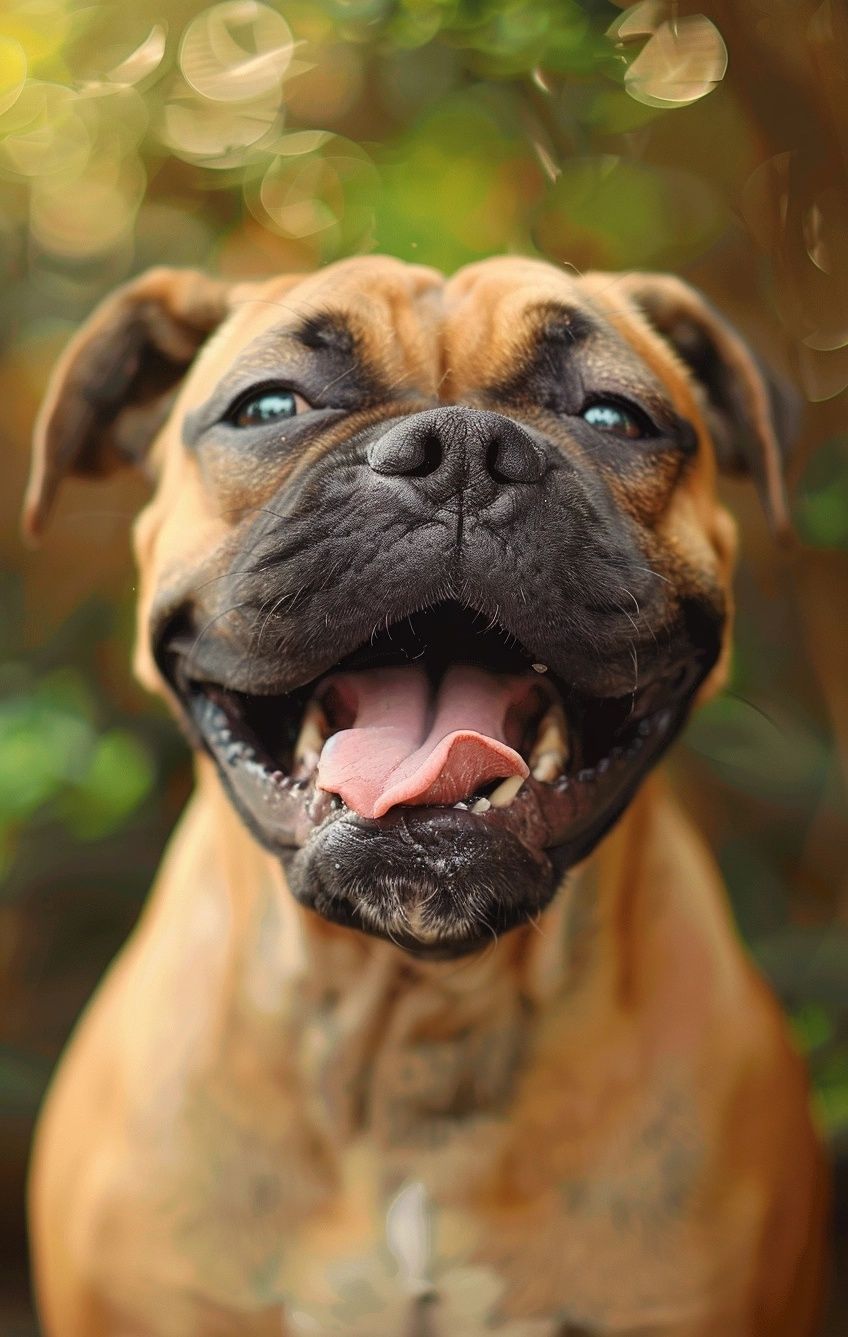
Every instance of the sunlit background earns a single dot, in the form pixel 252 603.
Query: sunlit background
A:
pixel 710 139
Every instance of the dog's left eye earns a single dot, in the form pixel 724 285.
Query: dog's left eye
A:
pixel 261 407
pixel 610 417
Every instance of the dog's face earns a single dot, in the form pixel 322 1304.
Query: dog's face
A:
pixel 434 569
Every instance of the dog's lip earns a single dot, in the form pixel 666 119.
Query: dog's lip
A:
pixel 188 660
pixel 286 810
pixel 252 742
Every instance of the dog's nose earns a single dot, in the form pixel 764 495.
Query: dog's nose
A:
pixel 450 449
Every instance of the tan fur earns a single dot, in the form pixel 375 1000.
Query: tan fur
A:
pixel 596 1126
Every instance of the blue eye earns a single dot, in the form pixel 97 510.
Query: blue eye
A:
pixel 266 406
pixel 612 418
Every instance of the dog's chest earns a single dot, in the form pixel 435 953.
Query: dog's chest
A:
pixel 371 1199
pixel 428 1261
pixel 377 1263
pixel 423 1116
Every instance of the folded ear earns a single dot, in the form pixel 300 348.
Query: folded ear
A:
pixel 752 421
pixel 111 389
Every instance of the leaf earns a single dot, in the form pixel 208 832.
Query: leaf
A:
pixel 683 61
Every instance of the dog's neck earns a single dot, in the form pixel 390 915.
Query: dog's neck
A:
pixel 354 1014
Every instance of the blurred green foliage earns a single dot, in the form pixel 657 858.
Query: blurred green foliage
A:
pixel 821 510
pixel 335 126
pixel 251 138
pixel 54 758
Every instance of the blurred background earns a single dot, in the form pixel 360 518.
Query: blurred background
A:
pixel 709 139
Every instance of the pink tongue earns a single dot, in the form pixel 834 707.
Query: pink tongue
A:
pixel 400 750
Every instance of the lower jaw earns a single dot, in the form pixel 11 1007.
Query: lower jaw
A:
pixel 431 880
pixel 438 882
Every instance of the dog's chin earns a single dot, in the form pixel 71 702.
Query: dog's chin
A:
pixel 436 882
pixel 466 845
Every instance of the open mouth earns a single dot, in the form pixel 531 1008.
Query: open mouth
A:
pixel 445 736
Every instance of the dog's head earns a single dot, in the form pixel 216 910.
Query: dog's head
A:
pixel 434 569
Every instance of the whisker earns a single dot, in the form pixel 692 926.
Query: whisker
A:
pixel 649 571
pixel 208 626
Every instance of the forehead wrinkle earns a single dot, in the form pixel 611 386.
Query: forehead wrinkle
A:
pixel 407 350
pixel 225 347
pixel 393 313
pixel 272 352
pixel 511 325
pixel 395 309
pixel 492 298
pixel 397 328
pixel 281 340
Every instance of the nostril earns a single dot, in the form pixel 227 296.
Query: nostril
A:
pixel 465 447
pixel 512 457
pixel 429 455
pixel 410 453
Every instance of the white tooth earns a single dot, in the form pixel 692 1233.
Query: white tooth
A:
pixel 539 668
pixel 313 732
pixel 482 805
pixel 550 747
pixel 551 736
pixel 547 767
pixel 506 791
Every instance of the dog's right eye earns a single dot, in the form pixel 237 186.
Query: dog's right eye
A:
pixel 268 405
pixel 609 416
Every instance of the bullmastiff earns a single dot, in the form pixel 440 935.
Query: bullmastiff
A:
pixel 436 1023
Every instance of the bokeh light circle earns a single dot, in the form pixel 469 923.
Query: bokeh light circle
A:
pixel 236 51
pixel 13 72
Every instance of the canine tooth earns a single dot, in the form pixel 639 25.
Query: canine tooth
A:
pixel 506 791
pixel 482 805
pixel 552 734
pixel 313 731
pixel 550 747
pixel 547 767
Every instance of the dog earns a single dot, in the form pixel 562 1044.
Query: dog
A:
pixel 436 1022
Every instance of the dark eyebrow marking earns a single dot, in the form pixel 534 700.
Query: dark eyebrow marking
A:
pixel 551 332
pixel 561 324
pixel 319 358
pixel 326 330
